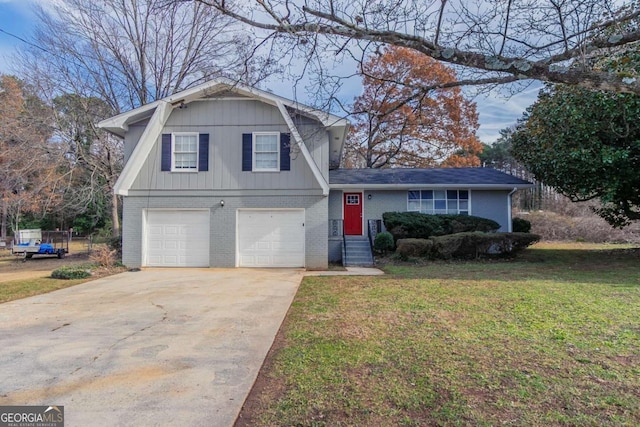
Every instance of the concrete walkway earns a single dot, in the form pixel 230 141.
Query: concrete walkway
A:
pixel 350 271
pixel 161 347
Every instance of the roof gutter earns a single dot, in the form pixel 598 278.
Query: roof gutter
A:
pixel 427 185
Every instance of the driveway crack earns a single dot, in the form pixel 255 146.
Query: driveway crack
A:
pixel 165 316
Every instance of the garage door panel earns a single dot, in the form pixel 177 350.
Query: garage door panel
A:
pixel 271 238
pixel 177 238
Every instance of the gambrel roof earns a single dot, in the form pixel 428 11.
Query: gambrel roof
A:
pixel 159 111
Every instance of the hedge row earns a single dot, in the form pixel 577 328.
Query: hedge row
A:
pixel 404 225
pixel 469 245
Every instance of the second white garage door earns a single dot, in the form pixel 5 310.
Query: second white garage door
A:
pixel 270 238
pixel 177 238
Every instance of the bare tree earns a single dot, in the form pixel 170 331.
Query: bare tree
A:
pixel 130 52
pixel 30 172
pixel 94 158
pixel 492 41
pixel 126 53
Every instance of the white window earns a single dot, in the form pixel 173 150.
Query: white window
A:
pixel 353 199
pixel 438 201
pixel 266 151
pixel 185 152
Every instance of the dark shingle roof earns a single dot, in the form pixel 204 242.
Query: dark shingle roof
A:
pixel 398 177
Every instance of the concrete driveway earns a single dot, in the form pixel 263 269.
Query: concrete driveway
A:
pixel 168 347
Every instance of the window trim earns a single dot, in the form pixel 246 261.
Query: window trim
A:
pixel 254 156
pixel 173 152
pixel 354 196
pixel 446 200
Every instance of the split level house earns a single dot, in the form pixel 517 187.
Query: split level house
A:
pixel 226 175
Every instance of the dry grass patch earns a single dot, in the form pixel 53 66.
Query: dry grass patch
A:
pixel 21 279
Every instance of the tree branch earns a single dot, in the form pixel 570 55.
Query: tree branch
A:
pixel 541 63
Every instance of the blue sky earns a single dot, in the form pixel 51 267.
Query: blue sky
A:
pixel 16 17
pixel 496 112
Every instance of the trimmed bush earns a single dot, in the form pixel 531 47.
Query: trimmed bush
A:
pixel 69 273
pixel 414 248
pixel 417 225
pixel 480 245
pixel 383 242
pixel 520 225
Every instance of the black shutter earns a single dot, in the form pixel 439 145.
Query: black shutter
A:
pixel 285 149
pixel 165 164
pixel 203 152
pixel 247 151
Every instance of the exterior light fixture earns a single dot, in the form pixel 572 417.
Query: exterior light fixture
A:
pixel 222 203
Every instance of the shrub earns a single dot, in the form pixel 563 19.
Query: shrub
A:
pixel 414 248
pixel 115 243
pixel 104 256
pixel 476 244
pixel 520 225
pixel 383 242
pixel 417 225
pixel 588 228
pixel 468 223
pixel 69 273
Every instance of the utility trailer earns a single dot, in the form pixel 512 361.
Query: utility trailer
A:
pixel 28 243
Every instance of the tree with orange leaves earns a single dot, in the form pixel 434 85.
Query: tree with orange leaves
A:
pixel 400 124
pixel 29 161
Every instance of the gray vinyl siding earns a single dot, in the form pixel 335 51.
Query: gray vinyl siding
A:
pixel 132 137
pixel 335 204
pixel 383 201
pixel 225 120
pixel 493 205
pixel 223 224
pixel 484 203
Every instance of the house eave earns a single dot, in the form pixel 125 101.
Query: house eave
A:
pixel 411 186
pixel 118 125
pixel 337 127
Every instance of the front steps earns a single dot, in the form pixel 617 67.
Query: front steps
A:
pixel 357 252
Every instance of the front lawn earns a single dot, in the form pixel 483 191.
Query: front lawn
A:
pixel 550 339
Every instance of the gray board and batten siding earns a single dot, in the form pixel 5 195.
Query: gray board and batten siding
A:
pixel 226 120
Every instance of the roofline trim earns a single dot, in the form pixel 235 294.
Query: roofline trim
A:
pixel 118 124
pixel 425 185
pixel 303 148
pixel 143 148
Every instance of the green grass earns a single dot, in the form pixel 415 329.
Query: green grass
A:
pixel 17 289
pixel 550 339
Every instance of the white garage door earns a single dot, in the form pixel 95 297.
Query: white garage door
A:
pixel 177 238
pixel 271 238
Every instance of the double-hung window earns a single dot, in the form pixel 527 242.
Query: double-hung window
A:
pixel 266 151
pixel 438 201
pixel 185 152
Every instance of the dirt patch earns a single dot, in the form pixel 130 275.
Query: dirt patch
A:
pixel 15 268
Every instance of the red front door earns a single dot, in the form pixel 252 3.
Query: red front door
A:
pixel 353 214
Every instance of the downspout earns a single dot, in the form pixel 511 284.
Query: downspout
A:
pixel 510 226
